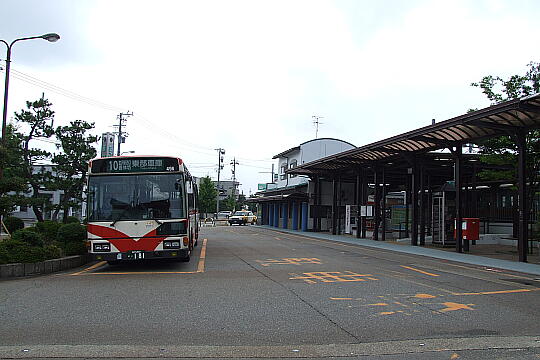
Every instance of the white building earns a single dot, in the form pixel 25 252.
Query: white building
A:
pixel 289 203
pixel 308 151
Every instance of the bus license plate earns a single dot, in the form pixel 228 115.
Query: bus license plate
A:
pixel 136 255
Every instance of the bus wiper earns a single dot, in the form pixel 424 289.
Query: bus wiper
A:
pixel 119 217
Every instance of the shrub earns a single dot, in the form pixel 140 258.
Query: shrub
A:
pixel 52 252
pixel 28 236
pixel 72 220
pixel 72 239
pixel 49 230
pixel 71 233
pixel 75 248
pixel 12 251
pixel 13 223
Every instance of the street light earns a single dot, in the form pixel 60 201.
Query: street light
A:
pixel 51 37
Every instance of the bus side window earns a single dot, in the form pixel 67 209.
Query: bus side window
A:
pixel 191 201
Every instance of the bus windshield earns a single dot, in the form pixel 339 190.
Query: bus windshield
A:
pixel 136 197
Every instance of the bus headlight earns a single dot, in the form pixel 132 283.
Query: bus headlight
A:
pixel 168 244
pixel 102 247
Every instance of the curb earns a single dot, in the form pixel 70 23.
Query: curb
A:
pixel 43 267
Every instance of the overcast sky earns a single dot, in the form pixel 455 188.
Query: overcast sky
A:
pixel 248 76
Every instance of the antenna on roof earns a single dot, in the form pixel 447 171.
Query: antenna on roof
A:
pixel 316 122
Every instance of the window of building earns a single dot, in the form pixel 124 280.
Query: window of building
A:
pixel 283 176
pixel 293 164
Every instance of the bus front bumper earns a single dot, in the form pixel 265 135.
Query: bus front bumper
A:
pixel 141 255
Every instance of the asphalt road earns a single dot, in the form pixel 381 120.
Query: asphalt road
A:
pixel 250 292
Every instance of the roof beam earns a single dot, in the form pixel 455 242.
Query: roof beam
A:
pixel 495 126
pixel 530 108
pixel 431 140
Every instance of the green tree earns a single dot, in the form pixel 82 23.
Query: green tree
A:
pixel 229 204
pixel 38 117
pixel 12 181
pixel 207 196
pixel 72 164
pixel 503 150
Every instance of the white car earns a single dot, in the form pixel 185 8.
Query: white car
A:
pixel 224 214
pixel 243 217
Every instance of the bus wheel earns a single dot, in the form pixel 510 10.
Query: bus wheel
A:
pixel 186 259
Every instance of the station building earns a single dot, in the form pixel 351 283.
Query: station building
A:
pixel 417 185
pixel 285 204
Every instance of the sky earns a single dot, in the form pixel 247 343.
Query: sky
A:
pixel 248 76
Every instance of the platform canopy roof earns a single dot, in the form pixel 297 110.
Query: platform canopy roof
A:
pixel 509 117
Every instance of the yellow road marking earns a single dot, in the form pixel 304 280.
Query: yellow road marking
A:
pixel 101 263
pixel 452 306
pixel 497 292
pixel 202 258
pixel 377 304
pixel 144 273
pixel 289 261
pixel 417 270
pixel 424 296
pixel 200 267
pixel 332 276
pixel 334 298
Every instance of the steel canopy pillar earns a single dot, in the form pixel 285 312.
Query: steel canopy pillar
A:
pixel 263 214
pixel 522 197
pixel 285 214
pixel 270 214
pixel 359 190
pixel 304 216
pixel 316 189
pixel 458 184
pixel 334 191
pixel 295 215
pixel 383 202
pixel 414 203
pixel 338 207
pixel 407 202
pixel 422 208
pixel 276 215
pixel 363 201
pixel 377 210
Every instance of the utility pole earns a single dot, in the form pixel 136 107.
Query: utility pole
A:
pixel 221 152
pixel 120 123
pixel 269 172
pixel 316 122
pixel 234 163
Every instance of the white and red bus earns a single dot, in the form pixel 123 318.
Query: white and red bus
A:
pixel 141 207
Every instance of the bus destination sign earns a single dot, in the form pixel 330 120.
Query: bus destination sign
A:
pixel 134 165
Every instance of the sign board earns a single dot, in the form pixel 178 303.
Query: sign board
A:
pixel 261 186
pixel 135 165
pixel 107 144
pixel 347 219
pixel 366 210
pixel 271 186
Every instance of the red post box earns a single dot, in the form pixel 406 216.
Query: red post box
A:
pixel 470 229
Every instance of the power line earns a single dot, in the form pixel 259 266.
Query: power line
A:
pixel 61 91
pixel 96 103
